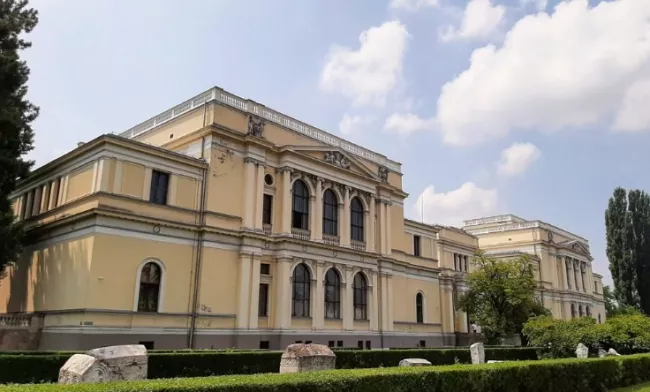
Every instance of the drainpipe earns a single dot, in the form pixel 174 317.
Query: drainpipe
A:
pixel 381 302
pixel 199 248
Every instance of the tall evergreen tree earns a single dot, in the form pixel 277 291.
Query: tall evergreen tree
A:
pixel 639 212
pixel 618 240
pixel 16 116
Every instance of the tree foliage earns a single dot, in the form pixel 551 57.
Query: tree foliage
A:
pixel 16 116
pixel 627 221
pixel 626 333
pixel 501 295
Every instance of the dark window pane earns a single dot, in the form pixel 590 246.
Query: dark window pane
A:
pixel 330 213
pixel 263 300
pixel 267 209
pixel 360 296
pixel 356 220
pixel 416 245
pixel 419 302
pixel 301 291
pixel 159 187
pixel 332 294
pixel 150 277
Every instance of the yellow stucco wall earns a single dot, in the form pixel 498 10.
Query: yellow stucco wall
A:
pixel 50 276
pixel 80 182
pixel 132 179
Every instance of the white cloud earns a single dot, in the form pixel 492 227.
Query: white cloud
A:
pixel 408 123
pixel 453 207
pixel 539 4
pixel 578 66
pixel 481 19
pixel 369 74
pixel 516 159
pixel 350 124
pixel 412 5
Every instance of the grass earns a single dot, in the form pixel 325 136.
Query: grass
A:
pixel 636 388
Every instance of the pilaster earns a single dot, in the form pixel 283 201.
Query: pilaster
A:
pixel 249 191
pixel 370 238
pixel 348 293
pixel 244 290
pixel 389 245
pixel 146 186
pixel 253 316
pixel 345 232
pixel 286 201
pixel 374 303
pixel 382 228
pixel 64 189
pixel 117 181
pixel 45 197
pixel 318 315
pixel 36 206
pixel 29 201
pixel 173 189
pixel 54 194
pixel 282 295
pixel 317 226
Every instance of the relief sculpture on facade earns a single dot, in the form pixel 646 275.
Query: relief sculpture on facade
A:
pixel 382 172
pixel 255 126
pixel 337 159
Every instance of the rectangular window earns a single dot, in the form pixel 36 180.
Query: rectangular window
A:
pixel 423 343
pixel 159 187
pixel 265 269
pixel 330 344
pixel 368 345
pixel 298 341
pixel 339 343
pixel 307 341
pixel 263 304
pixel 267 209
pixel 148 344
pixel 360 344
pixel 264 345
pixel 416 245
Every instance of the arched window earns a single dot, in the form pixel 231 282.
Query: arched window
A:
pixel 360 287
pixel 419 308
pixel 573 311
pixel 332 294
pixel 149 294
pixel 580 311
pixel 330 213
pixel 588 311
pixel 356 220
pixel 300 206
pixel 301 291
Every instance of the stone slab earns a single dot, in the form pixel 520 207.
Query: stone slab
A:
pixel 414 362
pixel 299 358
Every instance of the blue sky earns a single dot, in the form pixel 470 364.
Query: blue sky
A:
pixel 543 110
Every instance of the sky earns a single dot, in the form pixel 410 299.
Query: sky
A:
pixel 531 107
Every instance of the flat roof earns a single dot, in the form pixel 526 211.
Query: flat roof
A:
pixel 219 95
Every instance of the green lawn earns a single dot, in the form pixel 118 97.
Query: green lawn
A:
pixel 637 388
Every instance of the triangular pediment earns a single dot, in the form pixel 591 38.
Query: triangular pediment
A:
pixel 576 246
pixel 337 158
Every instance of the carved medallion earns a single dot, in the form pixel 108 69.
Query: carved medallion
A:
pixel 255 126
pixel 337 159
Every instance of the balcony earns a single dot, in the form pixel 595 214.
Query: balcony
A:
pixel 300 234
pixel 358 245
pixel 268 229
pixel 331 239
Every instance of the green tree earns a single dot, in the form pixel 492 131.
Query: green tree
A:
pixel 16 116
pixel 501 295
pixel 618 242
pixel 639 211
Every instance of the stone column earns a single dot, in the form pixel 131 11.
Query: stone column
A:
pixel 389 245
pixel 244 290
pixel 317 221
pixel 576 274
pixel 348 308
pixel 312 216
pixel 259 194
pixel 36 207
pixel 45 197
pixel 29 208
pixel 374 303
pixel 568 267
pixel 382 228
pixel 370 239
pixel 318 315
pixel 282 294
pixel 254 293
pixel 249 192
pixel 54 194
pixel 345 221
pixel 286 201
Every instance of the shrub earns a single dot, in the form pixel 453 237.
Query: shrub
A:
pixel 627 334
pixel 563 375
pixel 45 368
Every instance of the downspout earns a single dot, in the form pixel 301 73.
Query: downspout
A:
pixel 381 303
pixel 199 242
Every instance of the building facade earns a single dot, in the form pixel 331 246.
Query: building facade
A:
pixel 562 262
pixel 223 223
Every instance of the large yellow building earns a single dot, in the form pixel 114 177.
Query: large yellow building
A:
pixel 563 263
pixel 223 223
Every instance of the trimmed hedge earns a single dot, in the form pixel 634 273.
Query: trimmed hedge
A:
pixel 45 368
pixel 563 375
